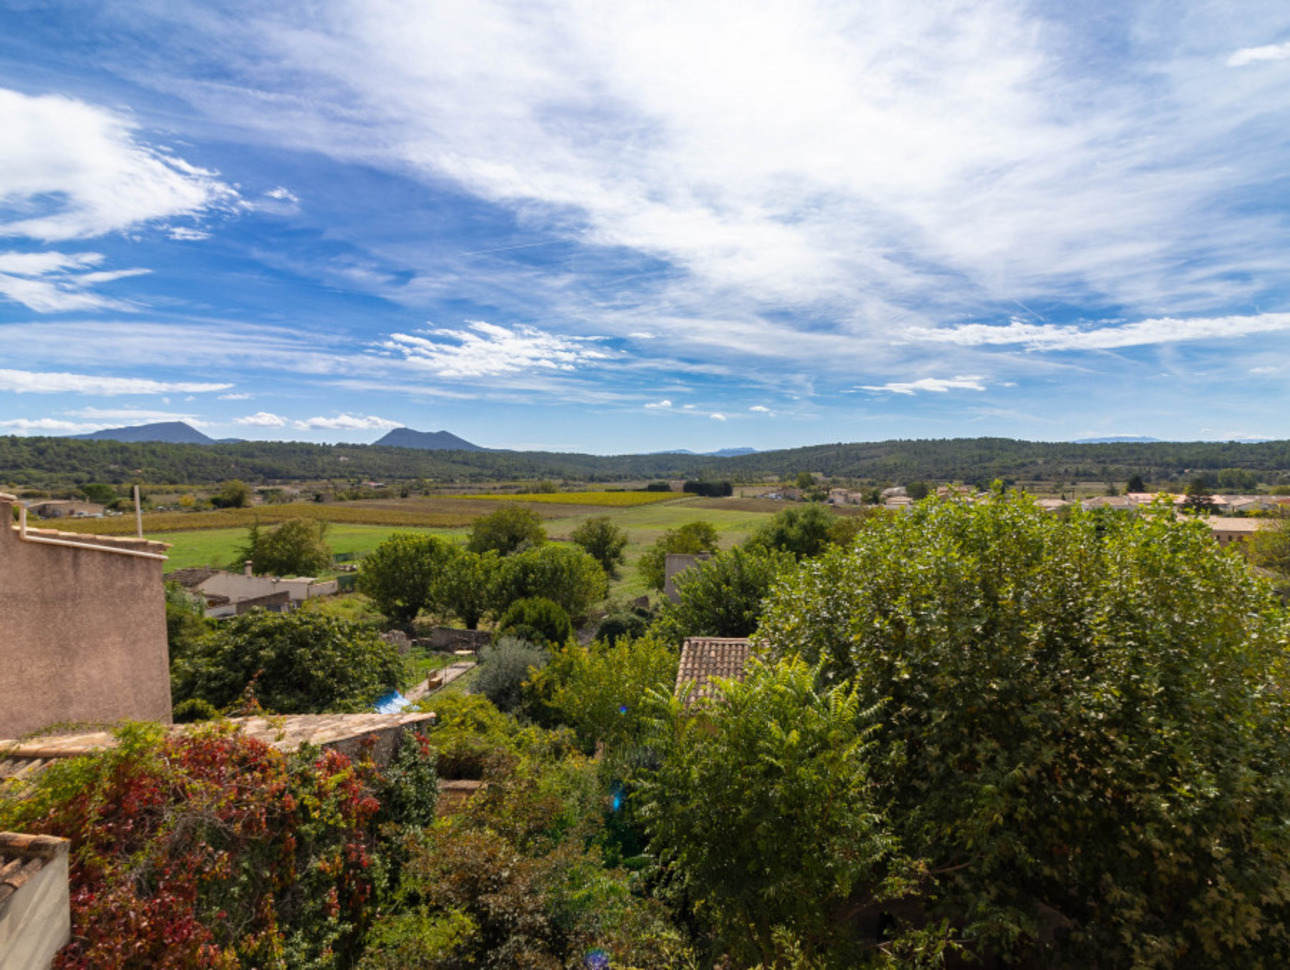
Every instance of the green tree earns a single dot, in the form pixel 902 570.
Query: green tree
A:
pixel 504 667
pixel 511 529
pixel 604 541
pixel 406 573
pixel 1198 500
pixel 691 539
pixel 600 690
pixel 917 490
pixel 302 662
pixel 100 493
pixel 233 494
pixel 724 596
pixel 297 547
pixel 467 587
pixel 801 530
pixel 762 807
pixel 563 574
pixel 1270 546
pixel 805 480
pixel 1135 484
pixel 1084 724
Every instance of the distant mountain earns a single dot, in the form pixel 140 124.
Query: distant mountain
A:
pixel 426 441
pixel 168 432
pixel 723 453
pixel 1114 439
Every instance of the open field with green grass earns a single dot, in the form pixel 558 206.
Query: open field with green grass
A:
pixel 217 547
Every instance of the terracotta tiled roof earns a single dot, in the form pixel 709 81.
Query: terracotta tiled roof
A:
pixel 703 658
pixel 21 857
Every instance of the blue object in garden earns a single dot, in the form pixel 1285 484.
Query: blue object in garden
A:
pixel 391 703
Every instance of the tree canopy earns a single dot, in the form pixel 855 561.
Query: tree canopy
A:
pixel 402 575
pixel 297 547
pixel 691 538
pixel 602 540
pixel 511 529
pixel 1084 724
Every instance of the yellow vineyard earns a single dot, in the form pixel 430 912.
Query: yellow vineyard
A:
pixel 613 500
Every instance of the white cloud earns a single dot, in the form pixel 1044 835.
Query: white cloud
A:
pixel 348 422
pixel 717 416
pixel 262 419
pixel 658 405
pixel 23 425
pixel 1264 370
pixel 187 233
pixel 760 409
pixel 1051 336
pixel 236 397
pixel 70 170
pixel 282 194
pixel 885 162
pixel 488 350
pixel 935 385
pixel 54 282
pixel 33 382
pixel 1269 52
pixel 131 414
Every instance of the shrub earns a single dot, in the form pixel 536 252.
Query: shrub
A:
pixel 537 620
pixel 292 663
pixel 803 531
pixel 207 849
pixel 600 690
pixel 503 668
pixel 622 623
pixel 409 786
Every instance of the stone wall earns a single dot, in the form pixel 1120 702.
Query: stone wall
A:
pixel 82 629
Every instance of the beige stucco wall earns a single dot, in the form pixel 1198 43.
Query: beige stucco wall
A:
pixel 82 632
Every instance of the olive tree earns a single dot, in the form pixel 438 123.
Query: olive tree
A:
pixel 1084 722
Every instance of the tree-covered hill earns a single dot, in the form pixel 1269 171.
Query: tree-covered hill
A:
pixel 43 461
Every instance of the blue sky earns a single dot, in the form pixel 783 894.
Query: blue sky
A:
pixel 637 226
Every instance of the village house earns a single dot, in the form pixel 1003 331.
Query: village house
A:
pixel 232 594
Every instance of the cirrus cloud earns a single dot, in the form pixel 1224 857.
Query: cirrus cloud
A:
pixel 488 350
pixel 33 382
pixel 934 385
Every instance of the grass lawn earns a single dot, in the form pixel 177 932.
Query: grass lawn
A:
pixel 217 547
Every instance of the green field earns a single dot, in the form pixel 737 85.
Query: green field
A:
pixel 643 524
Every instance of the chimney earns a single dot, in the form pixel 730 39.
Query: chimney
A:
pixel 246 568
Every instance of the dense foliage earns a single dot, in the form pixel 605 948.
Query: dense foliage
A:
pixel 724 596
pixel 538 620
pixel 297 547
pixel 1084 725
pixel 504 667
pixel 302 662
pixel 762 810
pixel 561 573
pixel 209 849
pixel 603 541
pixel 803 530
pixel 511 529
pixel 402 575
pixel 691 539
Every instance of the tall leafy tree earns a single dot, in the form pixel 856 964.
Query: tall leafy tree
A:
pixel 297 547
pixel 801 530
pixel 604 541
pixel 1085 721
pixel 405 574
pixel 511 529
pixel 563 574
